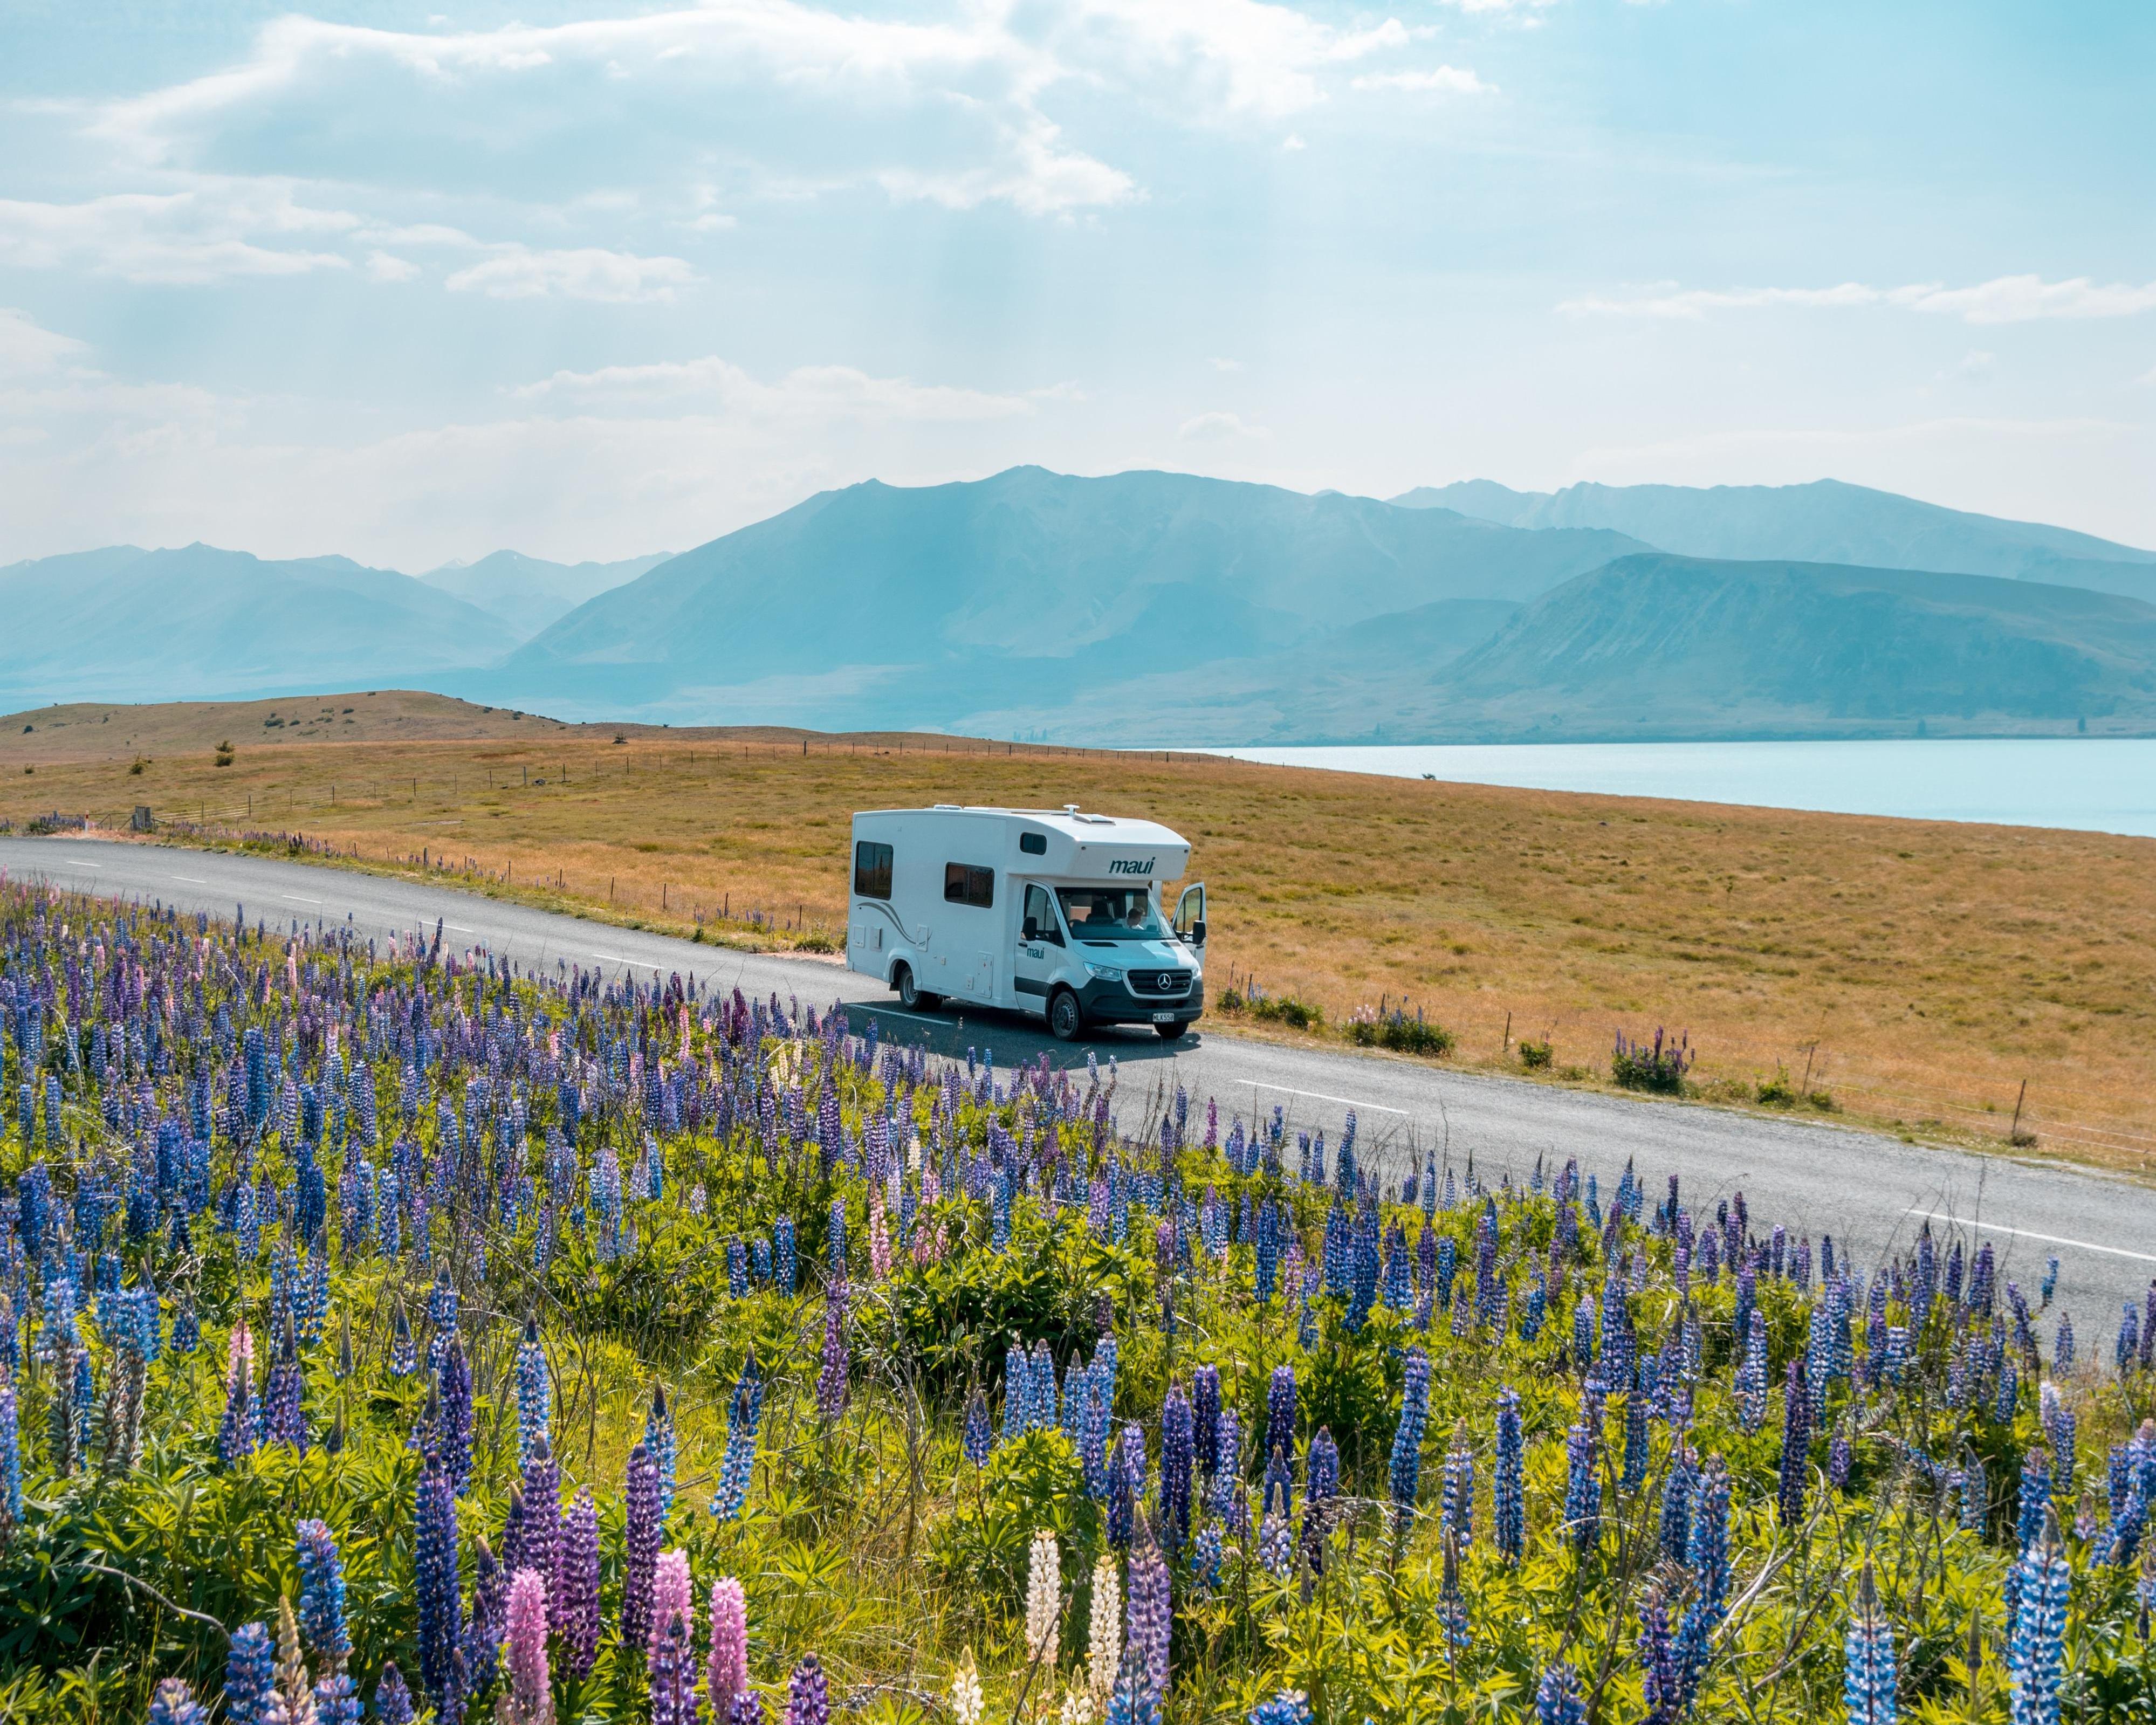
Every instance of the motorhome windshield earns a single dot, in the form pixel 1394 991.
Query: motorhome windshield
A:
pixel 1110 913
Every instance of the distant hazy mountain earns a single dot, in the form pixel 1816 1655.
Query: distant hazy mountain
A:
pixel 877 604
pixel 150 625
pixel 1655 645
pixel 1826 521
pixel 527 594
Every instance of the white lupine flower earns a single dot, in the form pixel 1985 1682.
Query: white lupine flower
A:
pixel 1105 1649
pixel 967 1703
pixel 1077 1706
pixel 1044 1601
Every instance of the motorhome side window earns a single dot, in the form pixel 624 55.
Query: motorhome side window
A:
pixel 872 870
pixel 963 884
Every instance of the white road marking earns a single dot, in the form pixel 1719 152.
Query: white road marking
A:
pixel 616 958
pixel 189 879
pixel 295 899
pixel 893 1012
pixel 2079 1245
pixel 1320 1097
pixel 89 865
pixel 456 929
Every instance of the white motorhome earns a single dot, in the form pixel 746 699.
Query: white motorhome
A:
pixel 1048 911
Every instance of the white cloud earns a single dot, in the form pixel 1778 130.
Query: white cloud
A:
pixel 383 266
pixel 1226 365
pixel 1293 142
pixel 1455 80
pixel 1219 427
pixel 2022 299
pixel 720 386
pixel 2006 299
pixel 26 347
pixel 518 272
pixel 211 229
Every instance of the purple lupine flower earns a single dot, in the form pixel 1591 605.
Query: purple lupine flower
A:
pixel 640 1549
pixel 483 1630
pixel 1230 1502
pixel 250 1676
pixel 977 1442
pixel 539 1525
pixel 1708 1546
pixel 2035 1497
pixel 1796 1442
pixel 453 1429
pixel 1458 1506
pixel 1583 1491
pixel 439 1588
pixel 831 1380
pixel 1147 1615
pixel 1175 1468
pixel 175 1704
pixel 321 1596
pixel 1320 1484
pixel 807 1699
pixel 576 1578
pixel 672 1675
pixel 1206 1418
pixel 726 1673
pixel 1280 1412
pixel 393 1696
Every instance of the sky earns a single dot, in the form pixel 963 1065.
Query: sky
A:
pixel 595 281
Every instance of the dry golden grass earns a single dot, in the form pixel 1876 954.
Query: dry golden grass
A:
pixel 1920 971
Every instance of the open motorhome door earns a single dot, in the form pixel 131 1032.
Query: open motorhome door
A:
pixel 1190 917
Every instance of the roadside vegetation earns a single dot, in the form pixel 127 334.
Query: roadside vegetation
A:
pixel 1913 974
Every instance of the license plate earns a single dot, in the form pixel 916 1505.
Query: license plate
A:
pixel 1163 1018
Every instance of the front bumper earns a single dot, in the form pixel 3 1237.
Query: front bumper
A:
pixel 1113 1004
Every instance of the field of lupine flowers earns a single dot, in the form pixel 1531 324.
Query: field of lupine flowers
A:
pixel 388 1334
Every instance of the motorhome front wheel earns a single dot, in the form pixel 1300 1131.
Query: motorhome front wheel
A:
pixel 1065 1022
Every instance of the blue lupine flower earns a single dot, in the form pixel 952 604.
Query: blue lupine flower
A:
pixel 1557 1698
pixel 2033 1653
pixel 1291 1707
pixel 321 1595
pixel 1508 1507
pixel 1406 1471
pixel 535 1391
pixel 1868 1671
pixel 250 1676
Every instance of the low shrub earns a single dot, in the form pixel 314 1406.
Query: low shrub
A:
pixel 1287 1009
pixel 1392 1029
pixel 1536 1056
pixel 1659 1067
pixel 1775 1092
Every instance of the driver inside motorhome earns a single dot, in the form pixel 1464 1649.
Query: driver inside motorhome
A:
pixel 1110 913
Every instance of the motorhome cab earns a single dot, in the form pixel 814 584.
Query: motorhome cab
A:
pixel 1053 912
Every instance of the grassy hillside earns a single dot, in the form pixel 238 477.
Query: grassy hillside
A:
pixel 1920 970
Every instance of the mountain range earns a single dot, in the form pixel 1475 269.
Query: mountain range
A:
pixel 527 594
pixel 1158 607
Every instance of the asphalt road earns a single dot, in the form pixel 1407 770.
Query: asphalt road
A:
pixel 1868 1191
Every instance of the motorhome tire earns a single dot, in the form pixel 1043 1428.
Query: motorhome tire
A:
pixel 1066 1020
pixel 911 997
pixel 1170 1033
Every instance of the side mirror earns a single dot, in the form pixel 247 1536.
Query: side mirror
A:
pixel 1031 931
pixel 1196 937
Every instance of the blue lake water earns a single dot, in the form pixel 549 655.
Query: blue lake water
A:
pixel 2104 784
